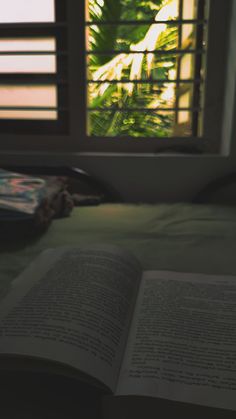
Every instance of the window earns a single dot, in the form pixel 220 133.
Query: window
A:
pixel 149 83
pixel 33 71
pixel 113 75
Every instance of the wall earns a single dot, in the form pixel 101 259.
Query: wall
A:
pixel 174 178
pixel 163 178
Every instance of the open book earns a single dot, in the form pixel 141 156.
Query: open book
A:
pixel 94 316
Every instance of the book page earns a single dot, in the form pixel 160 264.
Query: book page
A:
pixel 182 344
pixel 74 307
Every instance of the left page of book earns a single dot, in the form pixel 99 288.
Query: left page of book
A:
pixel 73 307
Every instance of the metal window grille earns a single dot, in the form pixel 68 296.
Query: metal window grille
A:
pixel 187 106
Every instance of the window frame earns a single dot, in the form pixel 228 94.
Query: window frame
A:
pixel 75 140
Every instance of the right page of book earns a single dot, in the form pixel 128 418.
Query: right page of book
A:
pixel 182 342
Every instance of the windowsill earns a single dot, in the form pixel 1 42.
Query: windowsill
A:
pixel 69 159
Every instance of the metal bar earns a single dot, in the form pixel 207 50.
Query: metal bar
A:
pixel 36 25
pixel 198 67
pixel 156 51
pixel 60 11
pixel 31 31
pixel 181 5
pixel 148 110
pixel 145 81
pixel 146 22
pixel 62 66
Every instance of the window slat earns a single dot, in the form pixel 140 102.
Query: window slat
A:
pixel 29 26
pixel 29 79
pixel 31 30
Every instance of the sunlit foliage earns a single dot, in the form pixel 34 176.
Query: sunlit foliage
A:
pixel 133 61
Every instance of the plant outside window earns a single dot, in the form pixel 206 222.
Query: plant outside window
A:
pixel 144 70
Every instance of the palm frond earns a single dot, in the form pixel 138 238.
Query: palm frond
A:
pixel 103 37
pixel 132 65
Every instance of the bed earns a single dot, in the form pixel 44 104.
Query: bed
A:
pixel 179 237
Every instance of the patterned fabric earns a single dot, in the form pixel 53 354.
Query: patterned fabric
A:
pixel 20 193
pixel 29 204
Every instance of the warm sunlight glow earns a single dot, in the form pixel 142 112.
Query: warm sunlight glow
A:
pixel 27 64
pixel 23 64
pixel 27 44
pixel 188 9
pixel 27 11
pixel 49 115
pixel 186 66
pixel 184 102
pixel 187 31
pixel 168 94
pixel 28 96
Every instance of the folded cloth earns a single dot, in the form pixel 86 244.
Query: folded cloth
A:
pixel 20 193
pixel 28 204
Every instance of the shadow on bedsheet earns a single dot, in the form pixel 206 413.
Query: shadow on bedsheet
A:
pixel 18 237
pixel 35 396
